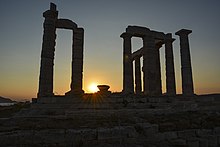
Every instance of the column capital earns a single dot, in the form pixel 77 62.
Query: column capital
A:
pixel 137 57
pixel 159 44
pixel 52 12
pixel 78 30
pixel 168 38
pixel 125 35
pixel 183 32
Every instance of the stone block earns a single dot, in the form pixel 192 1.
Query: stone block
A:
pixel 50 136
pixel 137 30
pixel 129 132
pixel 178 142
pixel 203 142
pixel 204 132
pixel 218 140
pixel 205 99
pixel 71 134
pixel 9 138
pixel 146 129
pixel 193 143
pixel 165 136
pixel 104 133
pixel 212 141
pixel 157 100
pixel 187 134
pixel 118 132
pixel 88 134
pixel 217 130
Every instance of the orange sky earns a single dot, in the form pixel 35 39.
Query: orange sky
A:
pixel 21 40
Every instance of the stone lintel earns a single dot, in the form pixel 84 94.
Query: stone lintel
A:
pixel 137 53
pixel 137 31
pixel 158 35
pixel 183 32
pixel 65 24
pixel 125 34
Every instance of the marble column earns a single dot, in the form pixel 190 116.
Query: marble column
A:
pixel 186 68
pixel 47 53
pixel 170 72
pixel 128 79
pixel 158 68
pixel 77 63
pixel 138 88
pixel 149 65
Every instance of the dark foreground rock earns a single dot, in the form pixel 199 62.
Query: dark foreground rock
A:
pixel 161 122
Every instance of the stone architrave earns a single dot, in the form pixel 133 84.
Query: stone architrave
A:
pixel 47 54
pixel 137 75
pixel 77 62
pixel 170 72
pixel 186 68
pixel 149 65
pixel 128 79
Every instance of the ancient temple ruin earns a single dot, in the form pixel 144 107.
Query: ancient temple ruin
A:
pixel 152 42
pixel 51 23
pixel 143 118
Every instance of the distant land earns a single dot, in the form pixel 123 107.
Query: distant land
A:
pixel 5 100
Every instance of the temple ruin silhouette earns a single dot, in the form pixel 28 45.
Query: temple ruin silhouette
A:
pixel 51 23
pixel 152 42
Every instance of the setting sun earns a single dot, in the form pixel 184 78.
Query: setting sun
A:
pixel 93 88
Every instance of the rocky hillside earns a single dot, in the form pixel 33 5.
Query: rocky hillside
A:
pixel 5 100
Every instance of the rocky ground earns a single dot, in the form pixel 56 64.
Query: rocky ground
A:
pixel 149 122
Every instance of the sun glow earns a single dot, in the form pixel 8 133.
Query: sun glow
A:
pixel 93 88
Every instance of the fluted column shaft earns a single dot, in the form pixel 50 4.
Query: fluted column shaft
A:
pixel 138 88
pixel 47 53
pixel 149 65
pixel 128 79
pixel 170 72
pixel 186 68
pixel 77 62
pixel 158 69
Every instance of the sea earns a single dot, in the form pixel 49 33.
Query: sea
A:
pixel 7 104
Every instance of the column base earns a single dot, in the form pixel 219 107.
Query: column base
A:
pixel 71 93
pixel 45 95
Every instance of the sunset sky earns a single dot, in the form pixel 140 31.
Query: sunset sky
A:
pixel 21 30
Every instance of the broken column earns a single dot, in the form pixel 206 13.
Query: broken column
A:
pixel 128 80
pixel 47 53
pixel 170 72
pixel 186 68
pixel 137 75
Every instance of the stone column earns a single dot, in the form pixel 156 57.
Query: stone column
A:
pixel 158 68
pixel 186 69
pixel 77 63
pixel 149 65
pixel 47 53
pixel 170 72
pixel 128 79
pixel 138 88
